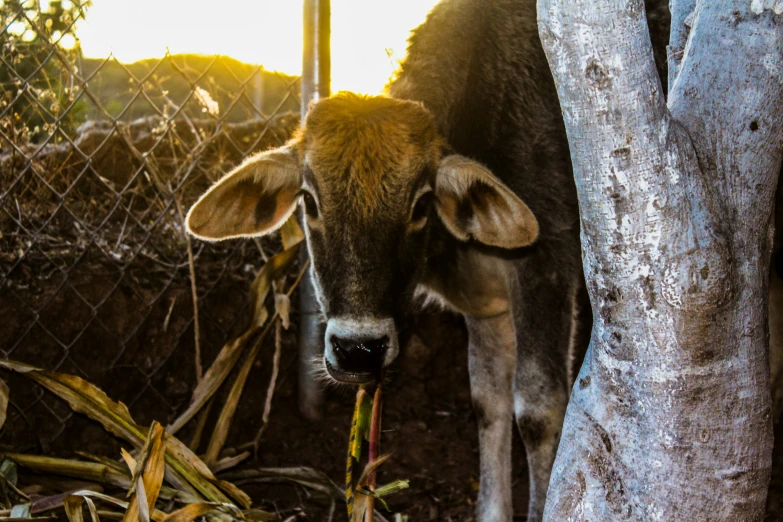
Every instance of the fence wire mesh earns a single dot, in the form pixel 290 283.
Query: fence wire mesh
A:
pixel 99 162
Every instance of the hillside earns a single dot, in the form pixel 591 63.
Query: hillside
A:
pixel 169 82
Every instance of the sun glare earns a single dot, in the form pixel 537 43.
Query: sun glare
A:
pixel 368 36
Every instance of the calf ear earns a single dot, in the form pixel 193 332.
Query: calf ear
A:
pixel 254 199
pixel 474 204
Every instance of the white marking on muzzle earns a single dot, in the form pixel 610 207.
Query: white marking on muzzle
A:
pixel 360 329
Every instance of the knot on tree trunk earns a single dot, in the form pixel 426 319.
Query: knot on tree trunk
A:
pixel 700 280
pixel 698 274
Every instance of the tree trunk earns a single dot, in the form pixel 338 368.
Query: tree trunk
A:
pixel 669 418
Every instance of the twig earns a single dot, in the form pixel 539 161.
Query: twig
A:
pixel 193 291
pixel 270 391
pixel 229 408
pixel 229 462
pixel 145 255
pixel 200 424
pixel 168 315
pixel 261 249
pixel 178 110
pixel 121 235
pixel 331 511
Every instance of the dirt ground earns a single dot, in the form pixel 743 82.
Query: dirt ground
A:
pixel 428 424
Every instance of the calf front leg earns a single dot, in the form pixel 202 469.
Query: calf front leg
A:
pixel 547 330
pixel 491 362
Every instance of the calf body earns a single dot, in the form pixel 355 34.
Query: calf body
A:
pixel 457 187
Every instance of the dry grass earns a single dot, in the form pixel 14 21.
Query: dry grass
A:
pixel 161 477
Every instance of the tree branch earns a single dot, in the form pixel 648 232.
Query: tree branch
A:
pixel 728 95
pixel 671 408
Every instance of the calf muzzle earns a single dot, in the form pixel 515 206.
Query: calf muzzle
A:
pixel 358 349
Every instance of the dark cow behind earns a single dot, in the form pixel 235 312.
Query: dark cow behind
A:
pixel 480 70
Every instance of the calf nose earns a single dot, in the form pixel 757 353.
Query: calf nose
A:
pixel 358 348
pixel 360 356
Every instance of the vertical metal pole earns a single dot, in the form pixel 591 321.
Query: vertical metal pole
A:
pixel 316 68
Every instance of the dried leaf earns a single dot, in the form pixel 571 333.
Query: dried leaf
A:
pixel 157 515
pixel 283 309
pixel 72 468
pixel 101 496
pixel 85 398
pixel 142 501
pixel 273 269
pixel 112 464
pixel 201 423
pixel 190 512
pixel 213 379
pixel 304 476
pixel 184 454
pixel 229 462
pixel 235 493
pixel 260 316
pixel 371 467
pixel 270 389
pixel 132 511
pixel 73 508
pixel 44 504
pixel 361 510
pixel 114 416
pixel 181 452
pixel 391 488
pixel 4 393
pixel 259 515
pixel 291 233
pixel 223 424
pixel 148 474
pixel 93 511
pixel 193 511
pixel 132 465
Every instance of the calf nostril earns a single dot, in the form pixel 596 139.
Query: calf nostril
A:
pixel 377 344
pixel 360 356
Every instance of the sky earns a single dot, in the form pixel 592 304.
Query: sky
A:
pixel 368 36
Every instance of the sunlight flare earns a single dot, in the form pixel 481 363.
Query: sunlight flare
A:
pixel 369 37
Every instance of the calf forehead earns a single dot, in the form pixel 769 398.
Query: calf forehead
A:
pixel 366 152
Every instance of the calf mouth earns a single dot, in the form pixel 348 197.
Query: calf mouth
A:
pixel 356 378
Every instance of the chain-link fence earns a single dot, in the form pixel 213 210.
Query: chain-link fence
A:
pixel 99 162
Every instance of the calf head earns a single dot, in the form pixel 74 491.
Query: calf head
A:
pixel 373 178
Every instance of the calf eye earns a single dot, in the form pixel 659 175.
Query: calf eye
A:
pixel 422 208
pixel 311 208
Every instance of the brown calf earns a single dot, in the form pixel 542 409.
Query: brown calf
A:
pixel 458 187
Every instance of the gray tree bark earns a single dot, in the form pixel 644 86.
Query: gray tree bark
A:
pixel 669 418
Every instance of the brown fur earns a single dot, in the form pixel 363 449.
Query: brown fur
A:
pixel 367 147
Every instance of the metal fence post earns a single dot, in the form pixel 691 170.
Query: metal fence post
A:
pixel 315 84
